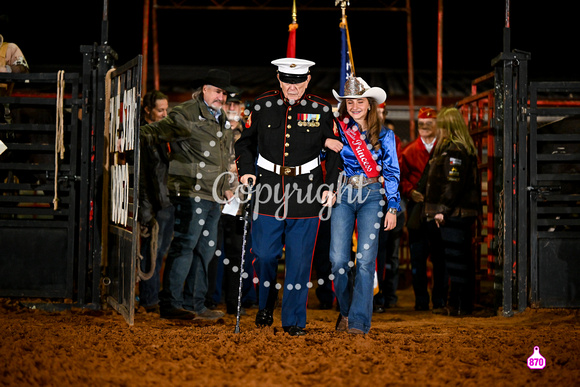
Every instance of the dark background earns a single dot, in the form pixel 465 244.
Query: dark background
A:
pixel 51 33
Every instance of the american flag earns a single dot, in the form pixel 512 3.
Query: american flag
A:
pixel 345 62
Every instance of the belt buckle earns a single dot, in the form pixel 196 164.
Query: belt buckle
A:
pixel 355 181
pixel 289 171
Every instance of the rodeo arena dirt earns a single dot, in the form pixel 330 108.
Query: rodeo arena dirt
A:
pixel 404 348
pixel 69 227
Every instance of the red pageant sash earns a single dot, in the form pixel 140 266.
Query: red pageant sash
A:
pixel 362 153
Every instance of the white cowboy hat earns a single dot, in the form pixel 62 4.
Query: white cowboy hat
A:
pixel 358 88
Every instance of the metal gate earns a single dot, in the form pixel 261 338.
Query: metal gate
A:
pixel 121 185
pixel 554 194
pixel 528 137
pixel 40 176
pixel 66 232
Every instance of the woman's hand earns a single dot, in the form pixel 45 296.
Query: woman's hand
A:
pixel 439 219
pixel 333 144
pixel 390 221
pixel 328 199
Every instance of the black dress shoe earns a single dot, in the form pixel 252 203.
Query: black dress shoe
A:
pixel 264 318
pixel 294 330
pixel 177 314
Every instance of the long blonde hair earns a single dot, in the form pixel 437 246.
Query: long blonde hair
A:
pixel 451 121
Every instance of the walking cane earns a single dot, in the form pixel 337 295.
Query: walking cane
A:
pixel 246 223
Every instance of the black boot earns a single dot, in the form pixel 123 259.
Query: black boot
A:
pixel 264 318
pixel 294 330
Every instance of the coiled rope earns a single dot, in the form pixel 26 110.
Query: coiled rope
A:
pixel 59 137
pixel 144 233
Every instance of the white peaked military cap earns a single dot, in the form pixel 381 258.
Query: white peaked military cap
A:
pixel 293 70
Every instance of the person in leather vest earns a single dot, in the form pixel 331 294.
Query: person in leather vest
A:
pixel 452 200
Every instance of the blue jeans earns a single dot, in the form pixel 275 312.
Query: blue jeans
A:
pixel 269 235
pixel 363 206
pixel 149 290
pixel 193 246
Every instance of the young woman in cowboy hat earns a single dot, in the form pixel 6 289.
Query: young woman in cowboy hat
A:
pixel 370 177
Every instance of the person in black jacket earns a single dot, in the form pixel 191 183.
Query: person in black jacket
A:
pixel 453 201
pixel 155 209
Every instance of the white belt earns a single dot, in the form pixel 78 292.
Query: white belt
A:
pixel 288 171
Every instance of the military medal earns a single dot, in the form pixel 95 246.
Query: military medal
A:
pixel 310 120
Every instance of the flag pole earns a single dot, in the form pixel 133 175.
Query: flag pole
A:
pixel 291 49
pixel 344 24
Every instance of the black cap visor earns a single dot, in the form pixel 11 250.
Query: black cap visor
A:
pixel 292 78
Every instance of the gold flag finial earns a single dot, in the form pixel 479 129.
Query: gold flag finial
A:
pixel 343 24
pixel 343 4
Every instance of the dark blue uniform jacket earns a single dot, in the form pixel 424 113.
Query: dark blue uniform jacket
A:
pixel 288 135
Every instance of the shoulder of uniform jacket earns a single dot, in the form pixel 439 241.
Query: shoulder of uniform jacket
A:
pixel 321 101
pixel 268 94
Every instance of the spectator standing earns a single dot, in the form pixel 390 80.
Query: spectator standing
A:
pixel 156 213
pixel 11 61
pixel 453 202
pixel 11 58
pixel 197 185
pixel 424 236
pixel 232 225
pixel 388 253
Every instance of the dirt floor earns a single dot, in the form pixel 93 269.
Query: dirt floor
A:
pixel 403 348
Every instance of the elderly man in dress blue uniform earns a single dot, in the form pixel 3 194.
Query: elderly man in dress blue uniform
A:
pixel 286 133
